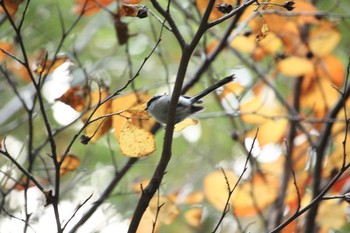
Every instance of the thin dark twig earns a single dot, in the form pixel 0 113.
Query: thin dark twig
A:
pixel 230 191
pixel 76 210
pixel 321 149
pixel 289 152
pixel 21 168
pixel 159 206
pixel 170 20
pixel 120 174
pixel 159 172
pixel 105 194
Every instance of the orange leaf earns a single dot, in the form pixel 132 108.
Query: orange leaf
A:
pixel 11 6
pixel 23 182
pixel 98 128
pixel 89 7
pixel 305 6
pixel 75 97
pixel 193 198
pixel 272 131
pixel 20 70
pixel 70 163
pixel 47 66
pixel 331 68
pixel 254 195
pixel 135 141
pixel 147 222
pixel 320 97
pixel 259 192
pixel 133 10
pixel 193 216
pixel 8 47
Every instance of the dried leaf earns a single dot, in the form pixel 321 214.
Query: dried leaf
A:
pixel 98 128
pixel 135 141
pixel 24 183
pixel 70 163
pixel 133 10
pixel 75 97
pixel 11 6
pixel 131 106
pixel 47 66
pixel 89 7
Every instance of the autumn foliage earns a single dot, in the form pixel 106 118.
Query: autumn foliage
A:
pixel 268 154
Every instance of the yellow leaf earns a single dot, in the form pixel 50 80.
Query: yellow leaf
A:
pixel 295 66
pixel 260 192
pixel 168 209
pixel 215 188
pixel 135 141
pixel 193 216
pixel 272 131
pixel 271 43
pixel 243 43
pixel 140 117
pixel 147 221
pixel 254 195
pixel 324 39
pixel 183 124
pixel 130 106
pixel 139 185
pixel 193 198
pixel 332 214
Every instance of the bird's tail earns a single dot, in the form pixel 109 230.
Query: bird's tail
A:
pixel 205 92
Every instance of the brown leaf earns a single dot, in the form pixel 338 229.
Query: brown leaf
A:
pixel 11 6
pixel 75 97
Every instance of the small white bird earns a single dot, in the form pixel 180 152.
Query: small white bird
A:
pixel 158 106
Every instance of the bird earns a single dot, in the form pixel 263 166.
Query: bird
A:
pixel 158 106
